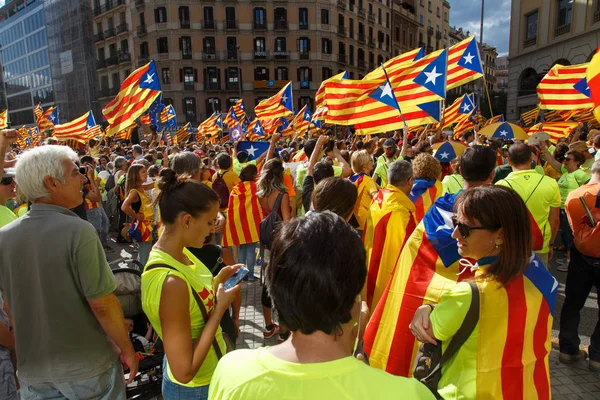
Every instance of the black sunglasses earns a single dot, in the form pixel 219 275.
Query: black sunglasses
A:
pixel 6 181
pixel 465 230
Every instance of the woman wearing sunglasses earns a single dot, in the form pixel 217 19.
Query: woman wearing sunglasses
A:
pixel 506 354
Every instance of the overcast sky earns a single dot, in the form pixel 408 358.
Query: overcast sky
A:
pixel 496 25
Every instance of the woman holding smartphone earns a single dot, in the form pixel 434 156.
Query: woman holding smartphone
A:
pixel 181 298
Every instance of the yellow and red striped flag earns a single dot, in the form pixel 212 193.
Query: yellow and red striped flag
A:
pixel 460 110
pixel 464 63
pixel 396 65
pixel 529 117
pixel 48 119
pixel 428 266
pixel 424 193
pixel 244 214
pixel 80 129
pixel 553 116
pixel 565 88
pixel 3 119
pixel 494 119
pixel 389 224
pixel 585 116
pixel 125 134
pixel 462 127
pixel 320 95
pixel 556 130
pixel 279 105
pixel 592 76
pixel 139 93
pixel 240 109
pixel 184 133
pixel 38 111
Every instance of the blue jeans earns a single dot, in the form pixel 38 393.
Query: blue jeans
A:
pixel 247 256
pixel 99 220
pixel 144 252
pixel 566 234
pixel 173 391
pixel 106 386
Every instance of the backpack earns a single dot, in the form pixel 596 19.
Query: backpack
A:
pixel 430 359
pixel 587 238
pixel 110 183
pixel 270 224
pixel 536 233
pixel 220 188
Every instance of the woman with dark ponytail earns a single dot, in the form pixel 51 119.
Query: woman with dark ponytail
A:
pixel 181 298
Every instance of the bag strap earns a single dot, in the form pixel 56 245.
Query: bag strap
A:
pixel 534 189
pixel 277 204
pixel 198 301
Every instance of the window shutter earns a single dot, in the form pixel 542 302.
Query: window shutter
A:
pixel 205 76
pixel 195 75
pixel 180 74
pixel 308 46
pixel 310 74
pixel 298 70
pixel 180 43
pixel 156 17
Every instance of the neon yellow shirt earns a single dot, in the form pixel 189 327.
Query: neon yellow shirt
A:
pixel 256 374
pixel 546 196
pixel 383 165
pixel 570 181
pixel 196 275
pixel 453 183
pixel 6 216
pixel 238 166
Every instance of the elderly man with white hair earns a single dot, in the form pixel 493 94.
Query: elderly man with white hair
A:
pixel 54 275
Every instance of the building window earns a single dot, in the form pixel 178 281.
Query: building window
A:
pixel 303 18
pixel 208 45
pixel 324 16
pixel 280 44
pixel 261 74
pixel 303 46
pixel 163 45
pixel 115 80
pixel 326 46
pixel 281 74
pixel 166 76
pixel 260 45
pixel 565 12
pixel 260 18
pixel 404 38
pixel 184 16
pixel 231 47
pixel 160 15
pixel 305 101
pixel 351 55
pixel 186 47
pixel 211 78
pixel 188 76
pixel 213 104
pixel 189 109
pixel 280 15
pixel 411 40
pixel 341 48
pixel 144 50
pixel 230 22
pixel 379 16
pixel 326 73
pixel 232 77
pixel 209 17
pixel 532 25
pixel 387 19
pixel 304 74
pixel 341 21
pixel 421 19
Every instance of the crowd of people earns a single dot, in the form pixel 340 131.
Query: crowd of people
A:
pixel 374 253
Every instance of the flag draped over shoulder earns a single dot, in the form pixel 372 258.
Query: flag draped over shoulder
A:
pixel 565 88
pixel 424 193
pixel 279 105
pixel 243 216
pixel 389 223
pixel 427 267
pixel 515 327
pixel 139 93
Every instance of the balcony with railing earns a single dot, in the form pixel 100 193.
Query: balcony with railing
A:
pixel 232 85
pixel 438 35
pixel 209 56
pixel 261 55
pixel 184 24
pixel 530 42
pixel 361 11
pixel 231 55
pixel 259 25
pixel 281 24
pixel 304 55
pixel 430 30
pixel 341 4
pixel 186 56
pixel 231 25
pixel 98 37
pixel 280 55
pixel 341 30
pixel 113 60
pixel 562 30
pixel 189 86
pixel 210 85
pixel 208 24
pixel 100 64
pixel 122 28
pixel 109 5
pixel 141 30
pixel 110 32
pixel 342 59
pixel 371 17
pixel 124 58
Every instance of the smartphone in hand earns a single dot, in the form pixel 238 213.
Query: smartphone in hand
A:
pixel 235 279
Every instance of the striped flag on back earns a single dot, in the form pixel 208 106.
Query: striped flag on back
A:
pixel 244 215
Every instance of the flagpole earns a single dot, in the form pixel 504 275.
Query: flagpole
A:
pixel 387 79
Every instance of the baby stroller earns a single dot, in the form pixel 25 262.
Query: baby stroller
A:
pixel 147 384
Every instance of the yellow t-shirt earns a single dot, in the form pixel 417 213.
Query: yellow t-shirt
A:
pixel 540 198
pixel 453 183
pixel 256 374
pixel 200 278
pixel 6 216
pixel 365 197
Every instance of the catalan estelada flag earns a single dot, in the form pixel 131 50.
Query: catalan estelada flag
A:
pixel 427 267
pixel 565 88
pixel 389 224
pixel 464 63
pixel 141 231
pixel 255 130
pixel 515 331
pixel 125 134
pixel 396 65
pixel 38 111
pixel 461 109
pixel 243 216
pixel 184 133
pixel 424 193
pixel 280 105
pixel 3 119
pixel 585 116
pixel 592 75
pixel 530 117
pixel 81 129
pixel 320 95
pixel 48 119
pixel 556 130
pixel 240 109
pixel 553 116
pixel 462 127
pixel 494 119
pixel 139 93
pixel 231 118
pixel 168 118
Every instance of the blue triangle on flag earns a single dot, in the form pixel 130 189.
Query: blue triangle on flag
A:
pixel 438 228
pixel 54 116
pixel 254 149
pixel 470 58
pixel 466 105
pixel 583 87
pixel 445 153
pixel 385 94
pixel 433 76
pixel 286 98
pixel 504 131
pixel 420 54
pixel 149 79
pixel 433 108
pixel 258 129
pixel 91 121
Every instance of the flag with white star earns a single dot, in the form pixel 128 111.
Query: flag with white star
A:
pixel 48 119
pixel 139 92
pixel 81 129
pixel 464 63
pixel 280 105
pixel 565 88
pixel 448 151
pixel 460 110
pixel 254 149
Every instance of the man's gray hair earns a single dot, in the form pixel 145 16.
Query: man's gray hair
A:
pixel 137 149
pixel 596 167
pixel 39 162
pixel 186 163
pixel 399 173
pixel 119 162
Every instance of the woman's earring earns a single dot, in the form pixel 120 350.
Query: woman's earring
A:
pixel 497 245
